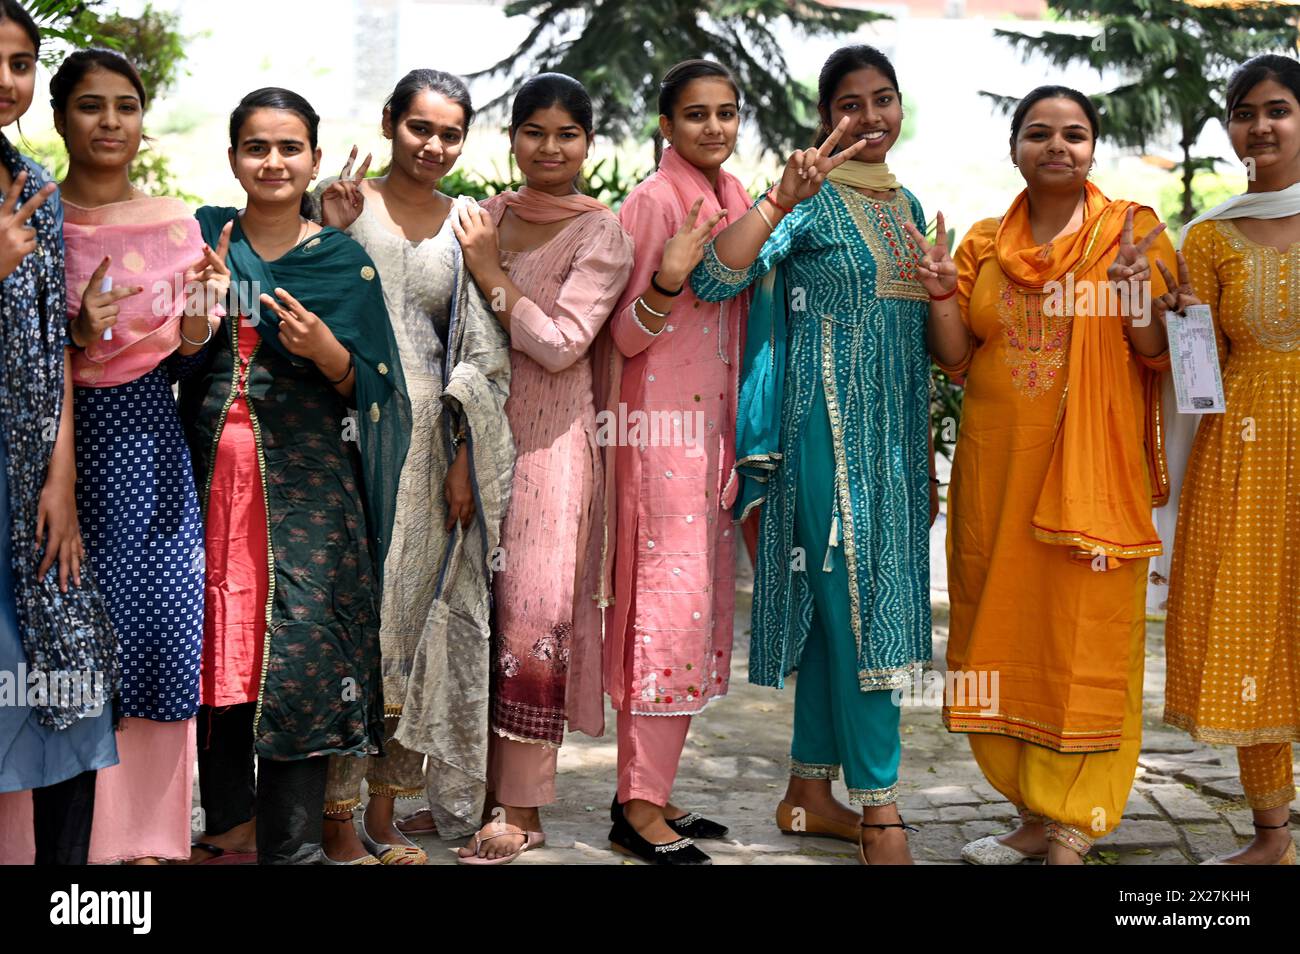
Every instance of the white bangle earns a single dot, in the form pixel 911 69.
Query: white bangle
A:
pixel 197 344
pixel 650 311
pixel 770 226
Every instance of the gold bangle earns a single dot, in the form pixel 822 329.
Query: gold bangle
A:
pixel 766 220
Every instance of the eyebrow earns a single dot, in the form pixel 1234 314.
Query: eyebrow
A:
pixel 1048 125
pixel 543 128
pixel 258 141
pixel 99 96
pixel 706 106
pixel 1270 102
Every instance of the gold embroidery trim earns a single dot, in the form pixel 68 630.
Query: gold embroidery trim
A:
pixel 1272 326
pixel 1036 344
pixel 887 241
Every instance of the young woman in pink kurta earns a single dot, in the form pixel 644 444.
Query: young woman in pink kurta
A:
pixel 668 632
pixel 552 264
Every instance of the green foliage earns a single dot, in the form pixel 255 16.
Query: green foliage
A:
pixel 1208 190
pixel 620 51
pixel 1175 58
pixel 150 41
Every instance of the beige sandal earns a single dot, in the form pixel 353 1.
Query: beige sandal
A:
pixel 532 839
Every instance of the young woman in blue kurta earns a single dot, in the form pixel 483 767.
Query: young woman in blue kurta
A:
pixel 842 582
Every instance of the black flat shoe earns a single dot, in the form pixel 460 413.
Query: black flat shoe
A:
pixel 624 838
pixel 696 825
pixel 693 825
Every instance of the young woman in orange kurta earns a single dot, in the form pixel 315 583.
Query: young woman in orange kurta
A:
pixel 1049 511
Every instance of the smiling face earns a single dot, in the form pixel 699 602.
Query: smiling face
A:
pixel 17 71
pixel 428 138
pixel 704 123
pixel 550 148
pixel 875 111
pixel 273 159
pixel 102 122
pixel 1054 146
pixel 1265 127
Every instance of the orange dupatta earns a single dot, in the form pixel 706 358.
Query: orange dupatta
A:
pixel 1089 499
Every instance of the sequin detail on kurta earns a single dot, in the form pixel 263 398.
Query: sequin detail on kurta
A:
pixel 1233 631
pixel 547 627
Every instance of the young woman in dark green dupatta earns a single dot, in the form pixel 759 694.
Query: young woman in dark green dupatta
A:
pixel 298 494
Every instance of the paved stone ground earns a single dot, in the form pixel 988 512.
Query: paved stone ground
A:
pixel 1185 806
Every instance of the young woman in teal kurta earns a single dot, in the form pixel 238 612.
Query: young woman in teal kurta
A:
pixel 842 582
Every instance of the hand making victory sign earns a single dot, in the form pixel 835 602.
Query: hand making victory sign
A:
pixel 305 335
pixel 936 269
pixel 806 169
pixel 1180 295
pixel 17 238
pixel 341 203
pixel 1131 263
pixel 685 249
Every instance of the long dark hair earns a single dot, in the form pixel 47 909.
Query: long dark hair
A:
pixel 414 82
pixel 674 83
pixel 1282 69
pixel 552 89
pixel 77 65
pixel 1040 93
pixel 275 97
pixel 846 60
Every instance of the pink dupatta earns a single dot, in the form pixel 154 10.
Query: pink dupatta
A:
pixel 152 242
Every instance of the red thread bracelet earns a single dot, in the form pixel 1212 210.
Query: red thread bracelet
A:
pixel 768 195
pixel 945 297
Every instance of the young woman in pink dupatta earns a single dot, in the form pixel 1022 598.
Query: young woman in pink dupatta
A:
pixel 668 632
pixel 135 488
pixel 552 264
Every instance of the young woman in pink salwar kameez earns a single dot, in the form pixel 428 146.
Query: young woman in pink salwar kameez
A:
pixel 551 263
pixel 668 632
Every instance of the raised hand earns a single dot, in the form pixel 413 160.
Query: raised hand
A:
pixel 301 331
pixel 17 238
pixel 806 169
pixel 1180 295
pixel 936 269
pixel 685 249
pixel 1131 264
pixel 99 309
pixel 342 202
pixel 477 234
pixel 209 277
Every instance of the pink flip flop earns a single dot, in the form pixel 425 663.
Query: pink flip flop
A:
pixel 532 839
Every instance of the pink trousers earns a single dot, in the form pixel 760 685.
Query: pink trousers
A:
pixel 142 804
pixel 521 774
pixel 649 748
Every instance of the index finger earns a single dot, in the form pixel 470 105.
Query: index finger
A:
pixel 347 166
pixel 97 276
pixel 1150 237
pixel 126 291
pixel 1184 276
pixel 1168 276
pixel 845 155
pixel 365 166
pixel 940 232
pixel 917 237
pixel 35 202
pixel 694 214
pixel 223 243
pixel 292 302
pixel 828 145
pixel 1126 233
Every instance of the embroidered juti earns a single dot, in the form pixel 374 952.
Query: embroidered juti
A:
pixel 297 515
pixel 428 291
pixel 547 629
pixel 1233 632
pixel 841 589
pixel 139 514
pixel 1049 517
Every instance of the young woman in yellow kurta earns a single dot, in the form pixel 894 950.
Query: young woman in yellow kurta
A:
pixel 1233 638
pixel 1049 522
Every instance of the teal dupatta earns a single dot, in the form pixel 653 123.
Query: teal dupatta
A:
pixel 333 277
pixel 762 383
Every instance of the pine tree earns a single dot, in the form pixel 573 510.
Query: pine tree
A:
pixel 1175 58
pixel 619 51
